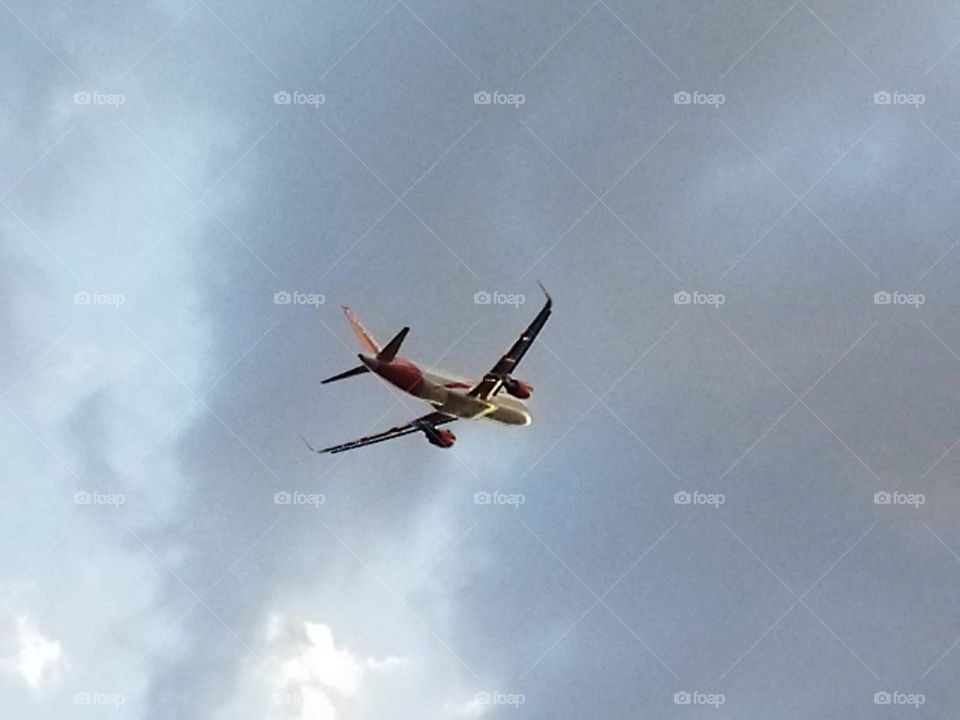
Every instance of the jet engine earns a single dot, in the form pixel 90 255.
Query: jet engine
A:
pixel 441 438
pixel 518 388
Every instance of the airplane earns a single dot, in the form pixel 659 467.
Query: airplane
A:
pixel 451 399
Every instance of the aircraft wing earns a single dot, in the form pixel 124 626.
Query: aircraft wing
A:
pixel 493 380
pixel 421 424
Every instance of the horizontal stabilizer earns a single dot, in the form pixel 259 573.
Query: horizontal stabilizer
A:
pixel 359 370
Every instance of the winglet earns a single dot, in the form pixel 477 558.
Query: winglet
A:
pixel 310 447
pixel 549 299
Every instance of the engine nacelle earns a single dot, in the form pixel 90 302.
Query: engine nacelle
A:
pixel 518 388
pixel 441 438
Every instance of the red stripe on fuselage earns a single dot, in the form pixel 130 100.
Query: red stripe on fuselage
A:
pixel 457 384
pixel 401 373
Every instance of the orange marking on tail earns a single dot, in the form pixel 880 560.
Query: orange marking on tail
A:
pixel 363 335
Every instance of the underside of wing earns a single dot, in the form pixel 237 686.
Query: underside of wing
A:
pixel 493 380
pixel 425 424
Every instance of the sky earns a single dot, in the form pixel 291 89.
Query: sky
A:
pixel 738 495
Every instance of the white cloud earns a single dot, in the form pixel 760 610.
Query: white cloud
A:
pixel 317 663
pixel 301 672
pixel 308 675
pixel 472 709
pixel 388 663
pixel 97 398
pixel 27 654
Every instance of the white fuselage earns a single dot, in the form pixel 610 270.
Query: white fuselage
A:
pixel 454 400
pixel 448 395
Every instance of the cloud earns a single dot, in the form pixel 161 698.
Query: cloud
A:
pixel 301 672
pixel 387 663
pixel 475 708
pixel 310 660
pixel 27 654
pixel 89 401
